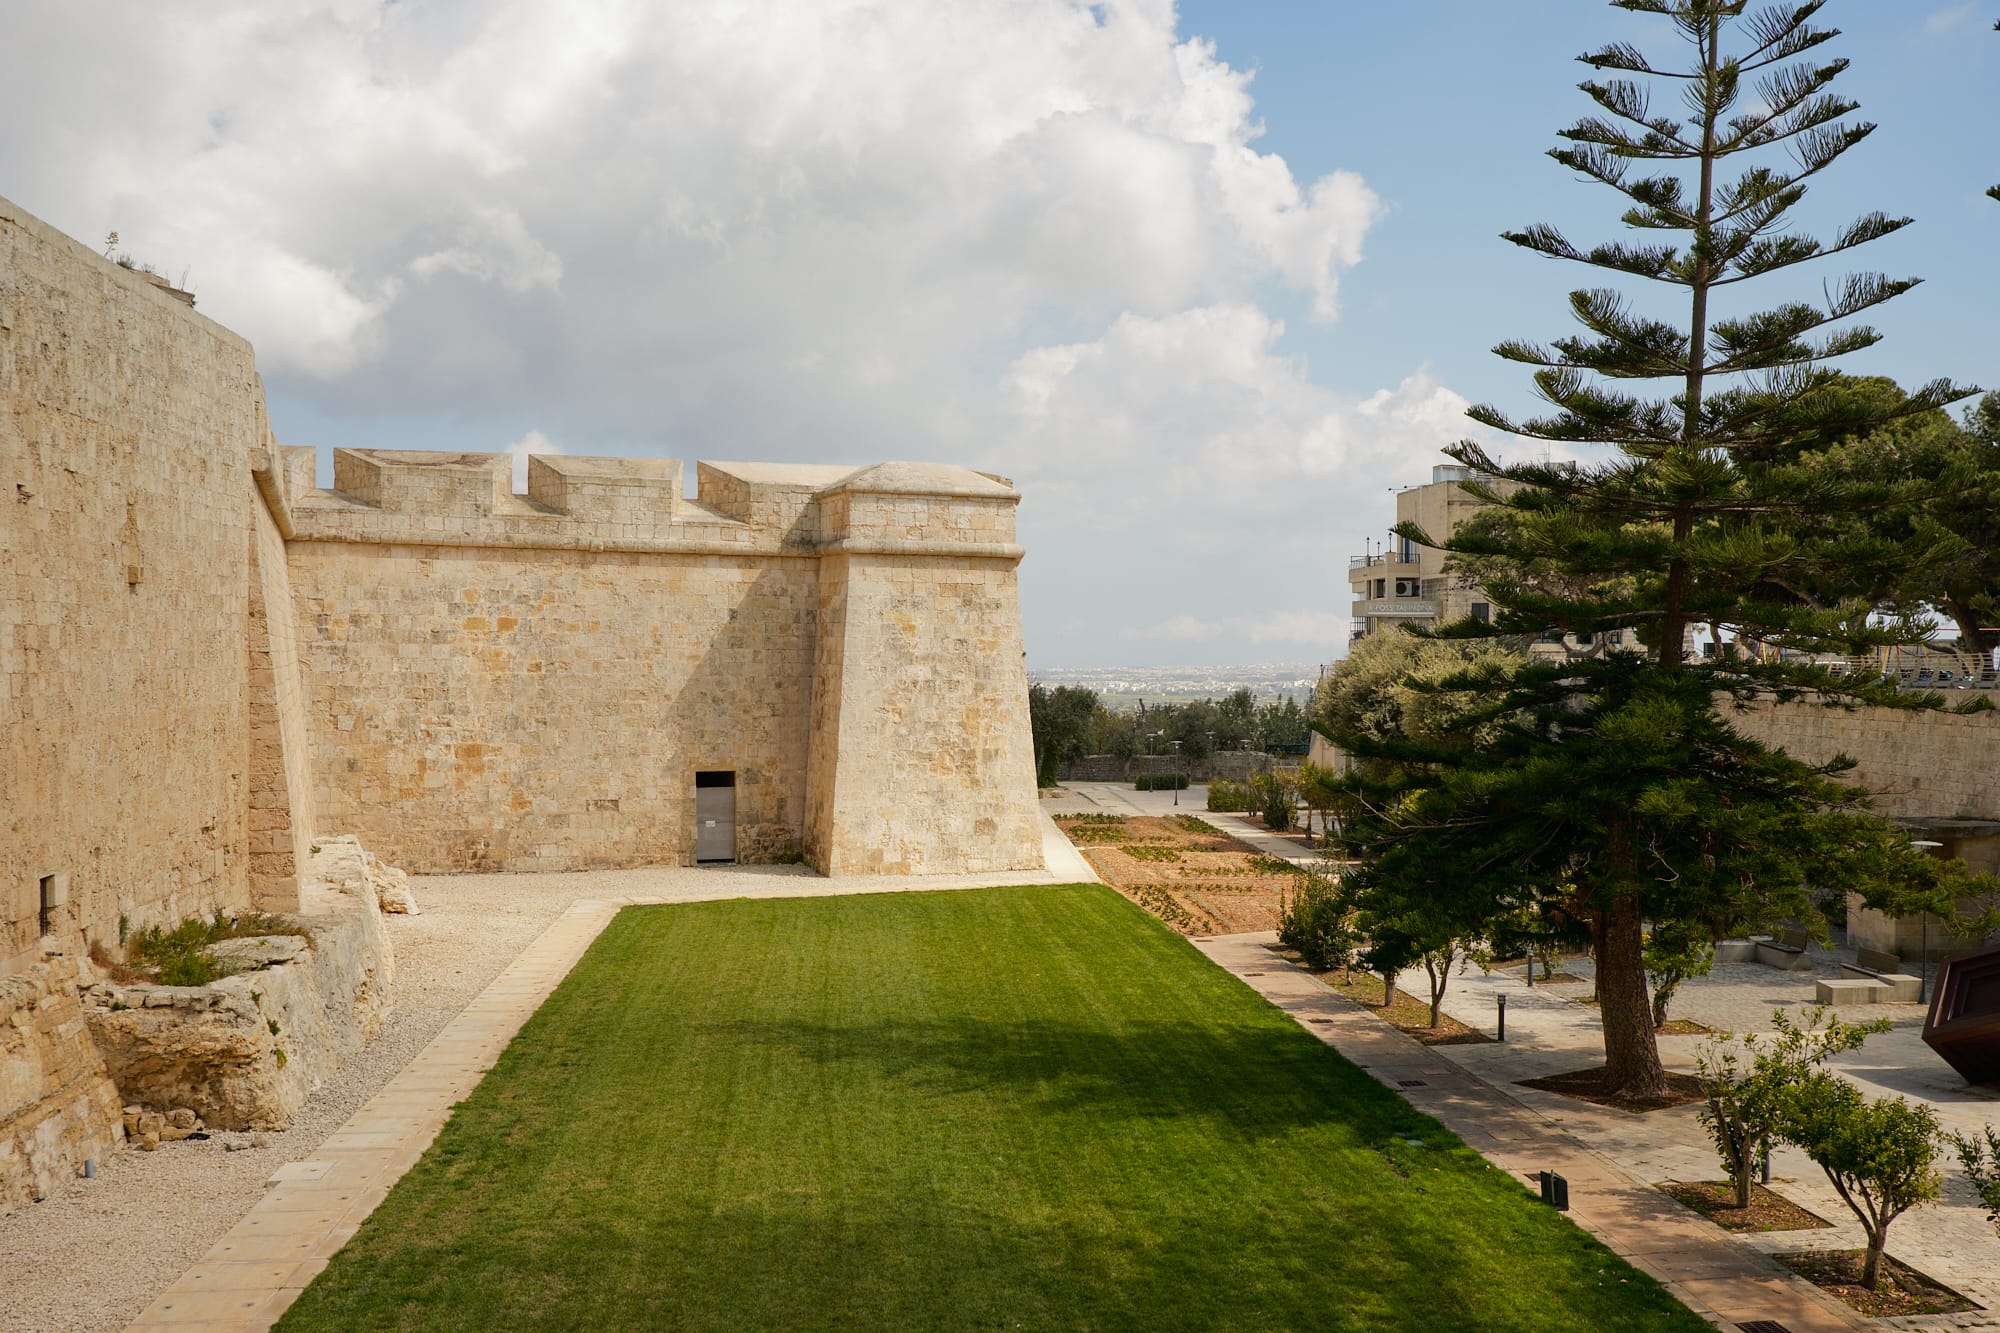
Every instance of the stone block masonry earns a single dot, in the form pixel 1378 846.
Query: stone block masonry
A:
pixel 127 428
pixel 505 682
pixel 58 1106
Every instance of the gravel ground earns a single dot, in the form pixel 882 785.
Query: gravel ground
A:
pixel 95 1253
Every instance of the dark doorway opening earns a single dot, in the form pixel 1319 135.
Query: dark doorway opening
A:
pixel 714 816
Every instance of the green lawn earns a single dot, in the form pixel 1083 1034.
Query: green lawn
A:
pixel 1004 1108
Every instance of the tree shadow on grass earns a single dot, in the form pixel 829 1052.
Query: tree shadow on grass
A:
pixel 1254 1080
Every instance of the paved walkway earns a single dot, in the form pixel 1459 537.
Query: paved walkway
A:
pixel 1713 1274
pixel 250 1277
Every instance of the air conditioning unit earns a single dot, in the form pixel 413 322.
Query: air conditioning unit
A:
pixel 1408 587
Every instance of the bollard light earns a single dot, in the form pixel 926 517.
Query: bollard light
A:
pixel 1503 1016
pixel 1555 1191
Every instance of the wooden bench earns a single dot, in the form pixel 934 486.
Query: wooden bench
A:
pixel 1885 970
pixel 1787 952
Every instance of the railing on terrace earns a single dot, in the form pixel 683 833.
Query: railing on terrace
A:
pixel 1926 669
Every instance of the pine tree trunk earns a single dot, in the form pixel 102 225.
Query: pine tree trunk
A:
pixel 1632 1065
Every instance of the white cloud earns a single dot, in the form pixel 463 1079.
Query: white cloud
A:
pixel 1182 628
pixel 854 192
pixel 1203 404
pixel 1035 235
pixel 534 442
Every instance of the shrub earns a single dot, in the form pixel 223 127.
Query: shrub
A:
pixel 180 957
pixel 1160 782
pixel 1228 796
pixel 1152 852
pixel 1982 1167
pixel 1319 923
pixel 1276 798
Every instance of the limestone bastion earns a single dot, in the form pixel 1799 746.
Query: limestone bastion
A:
pixel 209 665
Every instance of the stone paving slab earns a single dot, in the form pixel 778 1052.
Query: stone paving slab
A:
pixel 1705 1268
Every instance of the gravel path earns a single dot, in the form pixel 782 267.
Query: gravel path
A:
pixel 96 1252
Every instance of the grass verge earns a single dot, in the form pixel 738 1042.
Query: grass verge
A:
pixel 1014 1108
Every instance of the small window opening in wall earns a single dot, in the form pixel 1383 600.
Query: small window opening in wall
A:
pixel 1483 612
pixel 50 900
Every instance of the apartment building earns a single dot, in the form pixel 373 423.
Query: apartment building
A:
pixel 1407 584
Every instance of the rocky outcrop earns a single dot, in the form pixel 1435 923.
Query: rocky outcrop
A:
pixel 246 1051
pixel 58 1107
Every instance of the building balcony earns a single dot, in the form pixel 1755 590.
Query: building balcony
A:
pixel 1382 566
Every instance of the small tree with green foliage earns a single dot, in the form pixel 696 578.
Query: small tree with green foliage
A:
pixel 1276 795
pixel 1318 922
pixel 1747 1083
pixel 1880 1156
pixel 1675 951
pixel 1981 1160
pixel 1322 791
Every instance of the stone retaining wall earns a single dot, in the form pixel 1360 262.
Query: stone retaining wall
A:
pixel 246 1051
pixel 58 1106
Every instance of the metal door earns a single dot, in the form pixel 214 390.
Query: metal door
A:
pixel 714 817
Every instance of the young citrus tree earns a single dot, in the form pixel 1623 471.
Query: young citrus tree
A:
pixel 1880 1156
pixel 1747 1083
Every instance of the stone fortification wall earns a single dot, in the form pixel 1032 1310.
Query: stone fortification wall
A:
pixel 127 426
pixel 1920 766
pixel 532 682
pixel 922 760
pixel 57 1105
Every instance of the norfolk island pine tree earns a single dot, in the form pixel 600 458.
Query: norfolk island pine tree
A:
pixel 1614 784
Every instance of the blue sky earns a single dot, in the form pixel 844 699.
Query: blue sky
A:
pixel 1445 107
pixel 1209 282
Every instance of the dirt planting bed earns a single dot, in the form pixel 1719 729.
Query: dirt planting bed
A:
pixel 1180 868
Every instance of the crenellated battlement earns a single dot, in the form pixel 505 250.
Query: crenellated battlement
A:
pixel 428 498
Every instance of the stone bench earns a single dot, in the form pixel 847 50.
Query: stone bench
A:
pixel 1788 952
pixel 1735 951
pixel 1897 987
pixel 1885 969
pixel 1845 991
